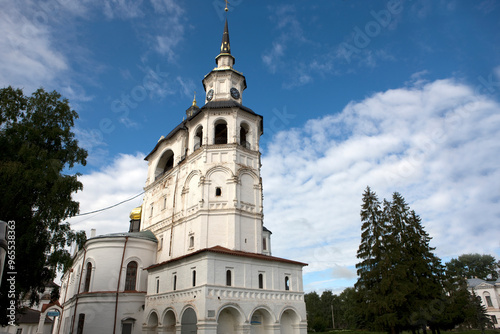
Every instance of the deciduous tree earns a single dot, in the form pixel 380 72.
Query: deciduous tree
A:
pixel 474 265
pixel 38 148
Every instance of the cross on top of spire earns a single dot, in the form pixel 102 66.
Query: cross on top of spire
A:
pixel 225 59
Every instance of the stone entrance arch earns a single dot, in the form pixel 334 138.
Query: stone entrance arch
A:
pixel 262 322
pixel 49 310
pixel 188 322
pixel 229 321
pixel 152 324
pixel 169 322
pixel 289 322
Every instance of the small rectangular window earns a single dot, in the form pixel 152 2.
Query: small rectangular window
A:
pixel 264 244
pixel 488 301
pixel 174 283
pixel 218 191
pixel 261 281
pixel 194 277
pixel 494 319
pixel 157 285
pixel 228 277
pixel 19 331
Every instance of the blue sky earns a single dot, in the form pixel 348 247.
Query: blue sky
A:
pixel 399 95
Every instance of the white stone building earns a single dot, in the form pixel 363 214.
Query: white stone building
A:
pixel 104 292
pixel 489 292
pixel 197 258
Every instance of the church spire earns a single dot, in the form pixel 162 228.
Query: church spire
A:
pixel 225 47
pixel 225 59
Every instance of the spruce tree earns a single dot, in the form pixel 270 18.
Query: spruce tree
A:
pixel 372 232
pixel 400 279
pixel 371 253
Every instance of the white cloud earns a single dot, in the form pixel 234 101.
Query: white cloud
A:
pixel 273 58
pixel 125 9
pixel 290 33
pixel 119 181
pixel 186 86
pixel 29 58
pixel 37 48
pixel 170 28
pixel 167 6
pixel 436 143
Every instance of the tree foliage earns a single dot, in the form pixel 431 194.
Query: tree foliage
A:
pixel 38 147
pixel 474 265
pixel 399 276
pixel 331 311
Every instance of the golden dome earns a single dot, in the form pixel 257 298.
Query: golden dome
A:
pixel 136 213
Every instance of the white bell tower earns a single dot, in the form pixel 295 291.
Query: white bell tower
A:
pixel 204 187
pixel 214 272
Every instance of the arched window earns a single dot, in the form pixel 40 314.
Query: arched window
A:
pixel 165 164
pixel 228 277
pixel 261 281
pixel 81 323
pixel 287 283
pixel 86 288
pixel 194 277
pixel 198 138
pixel 131 276
pixel 487 298
pixel 220 133
pixel 243 136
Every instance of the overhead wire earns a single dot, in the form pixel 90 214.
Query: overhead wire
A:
pixel 109 207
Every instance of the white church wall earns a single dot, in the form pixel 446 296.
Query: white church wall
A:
pixel 212 294
pixel 211 269
pixel 105 253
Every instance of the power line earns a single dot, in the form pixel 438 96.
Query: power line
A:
pixel 109 207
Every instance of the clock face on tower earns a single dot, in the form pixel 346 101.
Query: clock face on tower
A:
pixel 235 93
pixel 210 94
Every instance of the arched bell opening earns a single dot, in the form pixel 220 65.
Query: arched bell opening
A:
pixel 220 132
pixel 165 164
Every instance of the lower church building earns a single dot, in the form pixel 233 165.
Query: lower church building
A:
pixel 197 257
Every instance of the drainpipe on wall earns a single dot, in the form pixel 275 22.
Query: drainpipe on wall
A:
pixel 79 285
pixel 173 214
pixel 64 302
pixel 118 285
